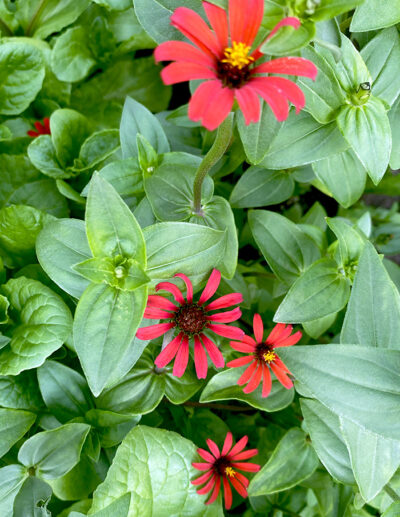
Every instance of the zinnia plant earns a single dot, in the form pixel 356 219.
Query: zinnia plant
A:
pixel 42 128
pixel 224 57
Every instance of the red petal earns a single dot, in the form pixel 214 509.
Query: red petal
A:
pixel 32 133
pixel 208 486
pixel 227 444
pixel 196 30
pixel 292 340
pixel 245 455
pixel 224 301
pixel 289 89
pixel 249 103
pixel 169 352
pixel 46 123
pixel 203 478
pixel 215 355
pixel 226 317
pixel 246 375
pixel 215 492
pixel 206 455
pixel 281 376
pixel 211 286
pixel 38 125
pixel 214 109
pixel 242 347
pixel 280 364
pixel 283 334
pixel 255 380
pixel 154 331
pixel 275 333
pixel 245 17
pixel 241 444
pixel 258 327
pixel 288 66
pixel 272 97
pixel 173 289
pixel 218 21
pixel 159 302
pixel 240 362
pixel 227 331
pixel 200 359
pixel 240 489
pixel 213 448
pixel 179 72
pixel 290 21
pixel 227 493
pixel 182 358
pixel 249 340
pixel 202 466
pixel 246 467
pixel 154 314
pixel 254 18
pixel 189 286
pixel 245 482
pixel 267 381
pixel 182 51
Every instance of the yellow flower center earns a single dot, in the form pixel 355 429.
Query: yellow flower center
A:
pixel 237 55
pixel 269 356
pixel 230 472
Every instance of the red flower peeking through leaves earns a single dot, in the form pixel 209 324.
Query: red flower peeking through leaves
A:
pixel 263 356
pixel 223 57
pixel 41 129
pixel 224 466
pixel 191 319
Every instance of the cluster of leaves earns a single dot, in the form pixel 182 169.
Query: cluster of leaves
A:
pixel 94 215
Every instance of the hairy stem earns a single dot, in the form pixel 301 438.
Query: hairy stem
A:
pixel 217 150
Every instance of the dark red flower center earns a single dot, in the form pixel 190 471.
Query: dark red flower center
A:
pixel 223 467
pixel 264 353
pixel 191 319
pixel 232 76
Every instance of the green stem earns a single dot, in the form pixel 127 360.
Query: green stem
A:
pixel 217 150
pixel 5 29
pixel 34 18
pixel 391 493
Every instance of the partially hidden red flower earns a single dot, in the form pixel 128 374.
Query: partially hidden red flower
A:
pixel 191 319
pixel 223 466
pixel 41 129
pixel 262 356
pixel 223 57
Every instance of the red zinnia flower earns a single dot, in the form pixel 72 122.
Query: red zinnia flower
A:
pixel 191 319
pixel 42 129
pixel 224 465
pixel 228 64
pixel 263 355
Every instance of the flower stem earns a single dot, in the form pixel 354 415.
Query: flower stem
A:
pixel 217 150
pixel 38 12
pixel 391 493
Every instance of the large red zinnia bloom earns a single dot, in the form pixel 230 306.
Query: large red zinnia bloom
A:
pixel 41 129
pixel 191 319
pixel 263 356
pixel 223 56
pixel 224 466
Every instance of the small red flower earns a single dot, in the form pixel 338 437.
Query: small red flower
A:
pixel 224 465
pixel 191 319
pixel 42 129
pixel 223 57
pixel 263 356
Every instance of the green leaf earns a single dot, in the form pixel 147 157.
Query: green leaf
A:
pixel 111 227
pixel 367 130
pixel 302 140
pixel 343 175
pixel 69 129
pixel 393 510
pixel 374 459
pixel 42 154
pixel 223 386
pixel 357 382
pixel 327 440
pixel 54 16
pixel 351 70
pixel 331 8
pixel 316 328
pixel 22 73
pixel 288 40
pixel 136 119
pixel 42 324
pixel 97 147
pixel 20 392
pixel 111 428
pixel 373 312
pixel 286 248
pixel 381 56
pixel 60 245
pixel 292 461
pixel 19 228
pixel 106 320
pixel 371 16
pixel 394 120
pixel 182 248
pixel 261 187
pixel 71 57
pixel 256 138
pixel 147 155
pixel 320 291
pixel 64 391
pixel 54 453
pixel 32 499
pixel 351 243
pixel 154 467
pixel 12 478
pixel 13 426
